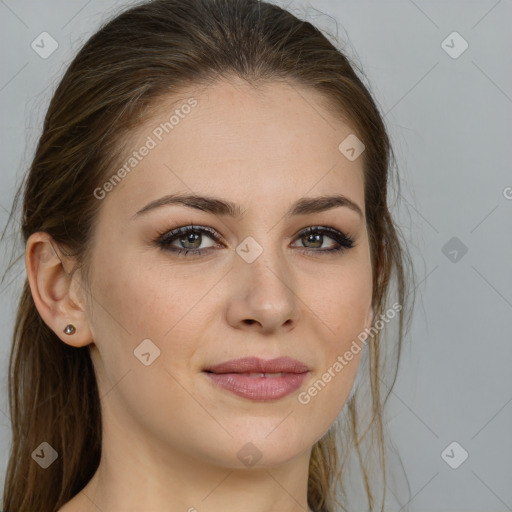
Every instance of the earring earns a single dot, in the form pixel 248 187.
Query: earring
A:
pixel 70 329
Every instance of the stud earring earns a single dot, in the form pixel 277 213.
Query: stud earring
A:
pixel 70 329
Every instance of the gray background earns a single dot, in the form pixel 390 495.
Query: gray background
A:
pixel 450 121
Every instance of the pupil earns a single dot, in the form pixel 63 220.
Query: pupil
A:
pixel 191 238
pixel 315 239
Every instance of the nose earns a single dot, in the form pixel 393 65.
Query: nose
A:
pixel 264 296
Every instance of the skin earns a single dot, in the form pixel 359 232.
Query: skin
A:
pixel 170 436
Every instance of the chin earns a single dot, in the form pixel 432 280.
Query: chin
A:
pixel 254 448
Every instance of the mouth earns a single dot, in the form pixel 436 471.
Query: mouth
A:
pixel 257 379
pixel 258 366
pixel 253 375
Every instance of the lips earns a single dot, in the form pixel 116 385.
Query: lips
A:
pixel 258 379
pixel 254 366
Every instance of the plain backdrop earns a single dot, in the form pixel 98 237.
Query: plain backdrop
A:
pixel 448 108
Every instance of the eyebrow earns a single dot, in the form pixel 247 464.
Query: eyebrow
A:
pixel 217 206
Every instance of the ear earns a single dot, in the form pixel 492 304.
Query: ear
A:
pixel 57 294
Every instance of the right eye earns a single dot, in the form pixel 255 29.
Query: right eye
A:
pixel 190 238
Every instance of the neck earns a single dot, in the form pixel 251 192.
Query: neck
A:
pixel 153 477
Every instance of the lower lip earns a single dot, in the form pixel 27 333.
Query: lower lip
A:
pixel 259 388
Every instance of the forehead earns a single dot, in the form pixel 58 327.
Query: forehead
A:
pixel 238 141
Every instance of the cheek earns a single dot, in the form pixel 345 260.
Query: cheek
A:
pixel 323 399
pixel 136 312
pixel 165 304
pixel 340 312
pixel 341 299
pixel 137 298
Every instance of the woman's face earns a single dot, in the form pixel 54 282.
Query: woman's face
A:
pixel 261 287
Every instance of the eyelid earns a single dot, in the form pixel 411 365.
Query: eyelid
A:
pixel 344 240
pixel 169 233
pixel 324 229
pixel 173 233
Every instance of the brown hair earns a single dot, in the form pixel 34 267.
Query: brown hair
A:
pixel 147 52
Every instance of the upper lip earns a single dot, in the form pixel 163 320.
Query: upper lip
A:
pixel 257 365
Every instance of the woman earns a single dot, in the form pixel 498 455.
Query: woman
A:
pixel 209 254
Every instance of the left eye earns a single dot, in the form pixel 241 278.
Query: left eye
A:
pixel 315 238
pixel 191 237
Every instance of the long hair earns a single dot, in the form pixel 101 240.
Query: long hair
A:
pixel 144 54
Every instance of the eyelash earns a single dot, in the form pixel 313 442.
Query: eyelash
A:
pixel 165 239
